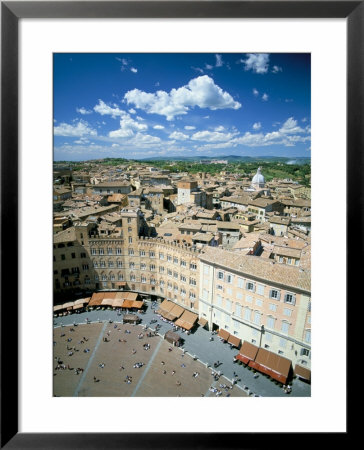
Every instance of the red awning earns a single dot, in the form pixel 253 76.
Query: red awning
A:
pixel 224 334
pixel 242 358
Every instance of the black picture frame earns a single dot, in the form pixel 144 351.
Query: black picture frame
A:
pixel 11 12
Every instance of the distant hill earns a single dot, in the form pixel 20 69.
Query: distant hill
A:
pixel 235 158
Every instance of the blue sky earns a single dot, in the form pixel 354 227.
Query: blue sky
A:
pixel 147 105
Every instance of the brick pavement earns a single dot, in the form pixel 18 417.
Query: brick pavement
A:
pixel 147 381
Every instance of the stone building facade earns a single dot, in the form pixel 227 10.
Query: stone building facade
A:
pixel 260 301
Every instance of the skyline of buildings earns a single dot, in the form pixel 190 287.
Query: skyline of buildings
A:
pixel 235 253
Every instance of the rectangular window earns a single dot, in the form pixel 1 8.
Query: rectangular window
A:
pixel 93 251
pixel 274 294
pixel 287 312
pixel 272 307
pixel 220 275
pixel 290 298
pixel 130 240
pixel 238 309
pixel 270 322
pixel 257 316
pixel 109 251
pixel 101 251
pixel 258 302
pixel 120 264
pixel 268 337
pixel 250 286
pixel 240 282
pixel 285 327
pixel 247 313
pixel 228 305
pixel 131 252
pixel 307 336
pixel 143 266
pixel 239 295
pixel 249 299
pixel 142 253
pixel 219 300
pixel 305 352
pixel 161 255
pixel 193 266
pixel 229 278
pixel 260 289
pixel 118 251
pixel 151 255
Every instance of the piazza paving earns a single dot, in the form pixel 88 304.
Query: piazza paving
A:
pixel 112 353
pixel 108 356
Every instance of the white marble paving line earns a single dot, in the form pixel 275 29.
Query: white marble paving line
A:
pixel 75 394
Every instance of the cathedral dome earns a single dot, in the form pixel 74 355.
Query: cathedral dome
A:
pixel 258 178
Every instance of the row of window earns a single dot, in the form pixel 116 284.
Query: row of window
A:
pixel 274 294
pixel 228 304
pixel 73 256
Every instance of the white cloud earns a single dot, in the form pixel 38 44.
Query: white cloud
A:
pixel 208 66
pixel 127 128
pixel 82 128
pixel 83 110
pixel 133 69
pixel 216 146
pixel 105 110
pixel 158 127
pixel 122 60
pixel 212 136
pixel 132 111
pixel 190 127
pixel 143 141
pixel 257 62
pixel 287 136
pixel 276 69
pixel 257 126
pixel 219 128
pixel 178 136
pixel 219 62
pixel 255 92
pixel 198 69
pixel 290 126
pixel 265 97
pixel 200 91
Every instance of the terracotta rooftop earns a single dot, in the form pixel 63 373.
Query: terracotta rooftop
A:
pixel 253 266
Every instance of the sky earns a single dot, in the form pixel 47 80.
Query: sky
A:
pixel 147 105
